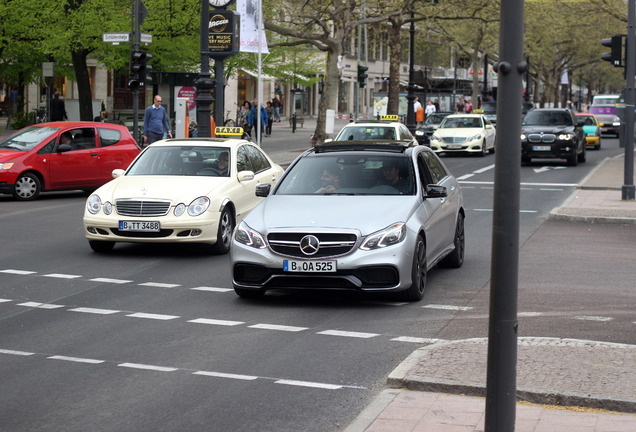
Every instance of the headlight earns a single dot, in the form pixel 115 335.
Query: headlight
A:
pixel 6 165
pixel 180 209
pixel 565 137
pixel 475 138
pixel 108 208
pixel 435 138
pixel 523 137
pixel 93 204
pixel 388 236
pixel 249 237
pixel 198 206
pixel 419 133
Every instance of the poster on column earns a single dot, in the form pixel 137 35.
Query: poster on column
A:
pixel 249 11
pixel 190 93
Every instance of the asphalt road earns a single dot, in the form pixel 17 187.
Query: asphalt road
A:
pixel 151 338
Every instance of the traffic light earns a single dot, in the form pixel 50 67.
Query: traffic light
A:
pixel 362 75
pixel 139 69
pixel 615 56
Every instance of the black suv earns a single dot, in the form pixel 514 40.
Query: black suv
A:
pixel 552 133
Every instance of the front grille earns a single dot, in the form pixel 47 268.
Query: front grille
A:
pixel 454 140
pixel 142 208
pixel 545 138
pixel 330 244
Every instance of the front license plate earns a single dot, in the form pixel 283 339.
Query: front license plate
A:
pixel 309 266
pixel 453 146
pixel 591 134
pixel 541 148
pixel 146 226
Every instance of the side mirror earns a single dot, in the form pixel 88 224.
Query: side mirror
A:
pixel 118 173
pixel 245 176
pixel 435 191
pixel 262 190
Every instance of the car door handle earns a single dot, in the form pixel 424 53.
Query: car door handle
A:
pixel 94 154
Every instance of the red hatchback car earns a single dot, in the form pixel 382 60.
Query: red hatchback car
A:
pixel 63 156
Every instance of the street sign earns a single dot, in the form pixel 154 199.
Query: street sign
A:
pixel 48 69
pixel 116 38
pixel 145 38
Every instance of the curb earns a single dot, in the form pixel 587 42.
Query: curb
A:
pixel 402 377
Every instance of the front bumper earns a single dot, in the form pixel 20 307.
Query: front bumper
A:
pixel 474 146
pixel 556 150
pixel 183 229
pixel 382 270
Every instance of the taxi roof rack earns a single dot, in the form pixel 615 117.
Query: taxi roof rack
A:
pixel 386 146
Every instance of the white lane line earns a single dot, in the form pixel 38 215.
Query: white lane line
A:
pixel 529 314
pixel 113 281
pixel 418 340
pixel 94 311
pixel 62 276
pixel 153 316
pixel 348 334
pixel 212 289
pixel 308 384
pixel 484 169
pixel 592 318
pixel 4 300
pixel 226 375
pixel 159 285
pixel 528 211
pixel 465 176
pixel 526 184
pixel 76 359
pixel 216 322
pixel 277 327
pixel 552 189
pixel 19 272
pixel 148 367
pixel 447 307
pixel 13 352
pixel 490 210
pixel 40 305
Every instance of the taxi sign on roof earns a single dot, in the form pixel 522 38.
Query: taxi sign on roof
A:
pixel 478 111
pixel 389 117
pixel 223 130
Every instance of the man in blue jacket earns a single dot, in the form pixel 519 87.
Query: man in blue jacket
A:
pixel 253 119
pixel 155 120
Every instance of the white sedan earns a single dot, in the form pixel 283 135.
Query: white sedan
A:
pixel 464 133
pixel 180 190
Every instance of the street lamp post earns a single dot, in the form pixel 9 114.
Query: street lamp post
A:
pixel 204 84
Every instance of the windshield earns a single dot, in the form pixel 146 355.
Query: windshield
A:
pixel 182 161
pixel 365 133
pixel 27 139
pixel 547 118
pixel 605 100
pixel 461 122
pixel 349 174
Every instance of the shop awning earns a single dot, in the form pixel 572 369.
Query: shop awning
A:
pixel 264 77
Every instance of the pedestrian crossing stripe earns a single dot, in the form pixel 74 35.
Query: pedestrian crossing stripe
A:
pixel 224 130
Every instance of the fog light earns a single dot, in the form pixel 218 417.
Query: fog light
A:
pixel 195 232
pixel 91 230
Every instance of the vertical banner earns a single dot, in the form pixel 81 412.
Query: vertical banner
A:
pixel 249 11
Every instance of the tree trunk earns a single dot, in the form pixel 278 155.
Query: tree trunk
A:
pixel 394 66
pixel 83 84
pixel 329 98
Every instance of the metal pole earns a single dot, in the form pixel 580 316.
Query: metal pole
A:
pixel 452 107
pixel 136 40
pixel 204 84
pixel 410 112
pixel 501 381
pixel 628 190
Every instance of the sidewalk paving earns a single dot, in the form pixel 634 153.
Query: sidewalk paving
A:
pixel 586 386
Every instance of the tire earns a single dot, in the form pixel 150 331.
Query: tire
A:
pixel 224 233
pixel 456 258
pixel 418 274
pixel 573 159
pixel 27 187
pixel 598 146
pixel 483 151
pixel 101 246
pixel 581 157
pixel 248 293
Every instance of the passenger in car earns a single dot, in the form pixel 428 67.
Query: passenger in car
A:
pixel 393 177
pixel 330 181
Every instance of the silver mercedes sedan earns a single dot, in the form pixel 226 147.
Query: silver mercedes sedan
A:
pixel 364 216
